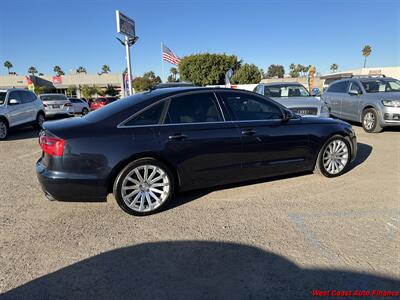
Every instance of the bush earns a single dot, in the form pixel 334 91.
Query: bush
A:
pixel 207 69
pixel 247 74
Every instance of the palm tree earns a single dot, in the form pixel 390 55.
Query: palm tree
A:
pixel 105 69
pixel 8 65
pixel 366 51
pixel 58 71
pixel 32 71
pixel 81 70
pixel 334 68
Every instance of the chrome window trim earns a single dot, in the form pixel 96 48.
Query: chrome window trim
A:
pixel 169 98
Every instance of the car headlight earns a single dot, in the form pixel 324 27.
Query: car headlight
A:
pixel 391 103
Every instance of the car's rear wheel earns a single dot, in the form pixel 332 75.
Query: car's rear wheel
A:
pixel 85 111
pixel 144 186
pixel 370 121
pixel 39 121
pixel 334 158
pixel 3 130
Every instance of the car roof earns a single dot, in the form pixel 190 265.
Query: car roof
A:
pixel 14 89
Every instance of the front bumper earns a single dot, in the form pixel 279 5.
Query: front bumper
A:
pixel 390 116
pixel 64 186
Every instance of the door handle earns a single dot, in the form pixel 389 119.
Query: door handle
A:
pixel 177 137
pixel 249 132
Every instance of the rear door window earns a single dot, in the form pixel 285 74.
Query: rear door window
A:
pixel 193 108
pixel 14 95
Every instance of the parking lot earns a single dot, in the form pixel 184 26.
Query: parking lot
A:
pixel 282 237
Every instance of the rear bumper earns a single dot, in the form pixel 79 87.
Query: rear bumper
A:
pixel 70 186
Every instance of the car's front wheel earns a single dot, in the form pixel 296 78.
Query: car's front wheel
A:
pixel 370 121
pixel 144 186
pixel 334 158
pixel 3 130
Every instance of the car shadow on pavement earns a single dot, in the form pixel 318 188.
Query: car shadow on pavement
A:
pixel 22 134
pixel 363 152
pixel 193 270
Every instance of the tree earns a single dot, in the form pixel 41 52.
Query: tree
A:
pixel 8 65
pixel 81 70
pixel 111 91
pixel 206 68
pixel 58 71
pixel 173 77
pixel 247 74
pixel 276 71
pixel 334 67
pixel 294 71
pixel 366 51
pixel 71 90
pixel 105 69
pixel 88 91
pixel 146 82
pixel 32 71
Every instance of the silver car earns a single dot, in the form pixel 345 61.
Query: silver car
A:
pixel 56 104
pixel 19 107
pixel 80 106
pixel 295 97
pixel 373 101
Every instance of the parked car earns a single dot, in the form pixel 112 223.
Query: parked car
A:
pixel 373 101
pixel 295 97
pixel 19 107
pixel 56 104
pixel 153 144
pixel 80 106
pixel 102 101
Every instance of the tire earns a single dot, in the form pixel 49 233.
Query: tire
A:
pixel 137 195
pixel 331 162
pixel 85 111
pixel 370 122
pixel 40 118
pixel 3 129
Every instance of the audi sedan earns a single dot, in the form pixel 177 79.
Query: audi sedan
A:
pixel 149 146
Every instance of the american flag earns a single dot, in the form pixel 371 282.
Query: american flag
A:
pixel 169 56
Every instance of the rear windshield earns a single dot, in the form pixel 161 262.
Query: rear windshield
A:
pixel 381 86
pixel 53 97
pixel 2 97
pixel 115 107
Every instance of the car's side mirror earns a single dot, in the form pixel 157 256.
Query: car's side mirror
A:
pixel 14 102
pixel 354 93
pixel 287 115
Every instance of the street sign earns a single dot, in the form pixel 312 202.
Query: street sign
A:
pixel 125 25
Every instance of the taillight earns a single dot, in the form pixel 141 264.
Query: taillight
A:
pixel 44 105
pixel 52 146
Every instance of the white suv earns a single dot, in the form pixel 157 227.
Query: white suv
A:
pixel 19 107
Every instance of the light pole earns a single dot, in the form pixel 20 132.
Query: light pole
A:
pixel 128 42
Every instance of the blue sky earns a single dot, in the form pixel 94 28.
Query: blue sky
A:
pixel 46 33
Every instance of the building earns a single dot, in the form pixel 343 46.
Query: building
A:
pixel 69 85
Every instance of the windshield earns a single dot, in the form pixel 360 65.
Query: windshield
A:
pixel 2 97
pixel 381 86
pixel 285 91
pixel 53 97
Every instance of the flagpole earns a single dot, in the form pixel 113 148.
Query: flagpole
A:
pixel 162 63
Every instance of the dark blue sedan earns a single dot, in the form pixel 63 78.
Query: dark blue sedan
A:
pixel 147 147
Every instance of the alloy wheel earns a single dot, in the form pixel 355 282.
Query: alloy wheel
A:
pixel 369 121
pixel 145 188
pixel 40 120
pixel 335 157
pixel 3 130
